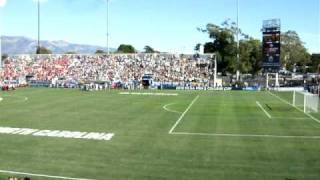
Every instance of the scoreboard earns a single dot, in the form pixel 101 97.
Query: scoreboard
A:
pixel 271 45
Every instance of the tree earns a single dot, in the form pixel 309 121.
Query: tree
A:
pixel 197 47
pixel 70 52
pixel 315 63
pixel 250 56
pixel 126 48
pixel 148 49
pixel 43 50
pixel 209 47
pixel 99 51
pixel 4 56
pixel 293 52
pixel 223 42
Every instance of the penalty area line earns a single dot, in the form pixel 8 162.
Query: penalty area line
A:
pixel 265 112
pixel 247 135
pixel 41 175
pixel 183 114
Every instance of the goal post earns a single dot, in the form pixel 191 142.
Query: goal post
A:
pixel 311 103
pixel 298 99
pixel 305 101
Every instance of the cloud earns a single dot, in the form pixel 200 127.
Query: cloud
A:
pixel 3 3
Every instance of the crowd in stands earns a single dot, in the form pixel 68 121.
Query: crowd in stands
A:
pixel 122 68
pixel 97 72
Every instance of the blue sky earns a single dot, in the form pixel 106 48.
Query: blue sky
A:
pixel 166 25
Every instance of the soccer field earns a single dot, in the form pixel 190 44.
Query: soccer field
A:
pixel 191 135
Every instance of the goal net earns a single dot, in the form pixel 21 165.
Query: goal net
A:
pixel 305 101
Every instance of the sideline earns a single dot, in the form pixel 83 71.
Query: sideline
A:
pixel 148 94
pixel 41 175
pixel 19 98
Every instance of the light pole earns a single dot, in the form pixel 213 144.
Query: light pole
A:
pixel 108 51
pixel 238 43
pixel 214 57
pixel 1 24
pixel 38 48
pixel 0 41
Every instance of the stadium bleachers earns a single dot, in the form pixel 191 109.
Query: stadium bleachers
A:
pixel 114 68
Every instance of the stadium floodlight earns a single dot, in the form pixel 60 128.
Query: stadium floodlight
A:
pixel 2 4
pixel 215 71
pixel 108 51
pixel 306 101
pixel 38 48
pixel 0 43
pixel 238 43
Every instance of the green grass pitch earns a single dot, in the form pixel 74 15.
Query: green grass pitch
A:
pixel 195 135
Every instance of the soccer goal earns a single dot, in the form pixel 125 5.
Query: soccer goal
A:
pixel 306 101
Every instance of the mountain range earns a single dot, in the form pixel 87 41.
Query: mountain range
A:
pixel 24 45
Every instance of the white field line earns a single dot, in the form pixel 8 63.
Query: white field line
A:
pixel 265 112
pixel 18 97
pixel 148 94
pixel 183 114
pixel 165 107
pixel 41 175
pixel 295 118
pixel 286 102
pixel 246 135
